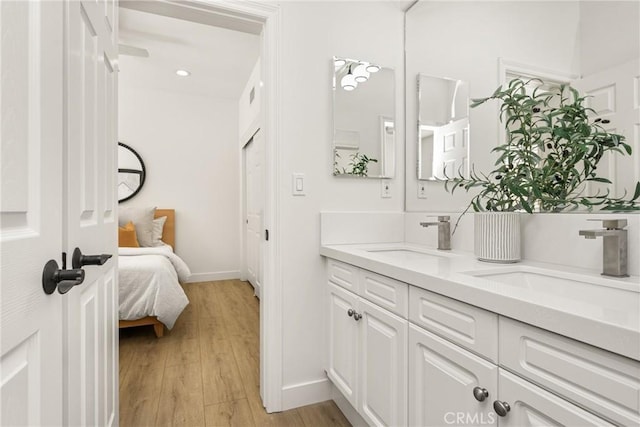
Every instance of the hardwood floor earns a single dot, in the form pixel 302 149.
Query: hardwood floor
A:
pixel 205 372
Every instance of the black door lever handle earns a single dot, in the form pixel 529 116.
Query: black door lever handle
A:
pixel 64 280
pixel 78 260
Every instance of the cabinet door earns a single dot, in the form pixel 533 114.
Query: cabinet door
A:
pixel 343 342
pixel 442 381
pixel 532 406
pixel 383 366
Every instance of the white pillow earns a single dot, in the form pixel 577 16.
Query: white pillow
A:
pixel 158 227
pixel 142 219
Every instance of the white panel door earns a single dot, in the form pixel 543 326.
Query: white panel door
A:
pixel 255 185
pixel 343 361
pixel 383 366
pixel 30 212
pixel 442 379
pixel 614 94
pixel 531 406
pixel 91 221
pixel 451 149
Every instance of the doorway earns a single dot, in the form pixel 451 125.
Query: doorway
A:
pixel 245 17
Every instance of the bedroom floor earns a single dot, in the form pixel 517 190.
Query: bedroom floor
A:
pixel 205 372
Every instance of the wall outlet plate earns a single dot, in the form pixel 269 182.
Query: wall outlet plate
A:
pixel 385 188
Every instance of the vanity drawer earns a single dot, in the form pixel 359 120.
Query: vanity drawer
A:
pixel 604 382
pixel 470 327
pixel 342 274
pixel 385 292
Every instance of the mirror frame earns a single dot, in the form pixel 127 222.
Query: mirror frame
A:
pixel 142 173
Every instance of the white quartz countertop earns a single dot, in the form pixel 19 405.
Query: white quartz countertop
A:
pixel 599 311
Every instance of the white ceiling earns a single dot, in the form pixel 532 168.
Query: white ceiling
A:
pixel 220 60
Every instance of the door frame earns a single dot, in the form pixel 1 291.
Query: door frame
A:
pixel 269 16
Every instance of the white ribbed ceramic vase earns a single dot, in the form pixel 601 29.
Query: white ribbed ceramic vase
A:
pixel 497 236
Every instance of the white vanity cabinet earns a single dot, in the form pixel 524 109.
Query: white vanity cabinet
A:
pixel 423 359
pixel 451 386
pixel 368 346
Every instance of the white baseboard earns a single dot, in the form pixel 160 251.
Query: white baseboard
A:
pixel 349 411
pixel 307 393
pixel 210 277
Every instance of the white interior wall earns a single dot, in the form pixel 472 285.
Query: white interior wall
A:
pixel 464 40
pixel 189 146
pixel 312 33
pixel 610 34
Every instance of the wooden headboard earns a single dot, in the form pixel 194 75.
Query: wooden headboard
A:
pixel 169 231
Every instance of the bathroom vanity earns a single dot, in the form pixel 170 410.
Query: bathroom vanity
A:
pixel 423 337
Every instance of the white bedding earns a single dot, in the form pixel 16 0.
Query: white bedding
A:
pixel 148 282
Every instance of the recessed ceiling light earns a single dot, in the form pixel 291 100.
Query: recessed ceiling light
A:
pixel 183 73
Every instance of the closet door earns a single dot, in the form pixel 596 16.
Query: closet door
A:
pixel 254 178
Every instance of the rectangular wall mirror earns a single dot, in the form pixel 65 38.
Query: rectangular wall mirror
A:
pixel 443 127
pixel 363 119
pixel 488 43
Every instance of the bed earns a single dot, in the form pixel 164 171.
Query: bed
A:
pixel 149 281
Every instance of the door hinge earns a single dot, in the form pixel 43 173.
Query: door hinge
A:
pixel 266 235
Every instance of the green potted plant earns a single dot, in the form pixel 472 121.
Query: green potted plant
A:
pixel 551 152
pixel 358 164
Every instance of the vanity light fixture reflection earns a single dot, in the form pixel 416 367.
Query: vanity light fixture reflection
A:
pixel 183 73
pixel 356 72
pixel 339 62
pixel 349 82
pixel 361 74
pixel 372 68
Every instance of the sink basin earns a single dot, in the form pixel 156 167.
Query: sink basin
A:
pixel 567 291
pixel 404 254
pixel 532 277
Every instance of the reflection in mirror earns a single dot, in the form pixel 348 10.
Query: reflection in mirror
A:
pixel 444 38
pixel 131 172
pixel 443 128
pixel 363 119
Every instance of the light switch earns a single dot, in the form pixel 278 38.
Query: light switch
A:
pixel 298 184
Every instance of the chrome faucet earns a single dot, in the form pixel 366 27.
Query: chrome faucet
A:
pixel 444 232
pixel 614 246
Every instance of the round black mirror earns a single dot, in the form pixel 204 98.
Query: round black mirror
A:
pixel 131 172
